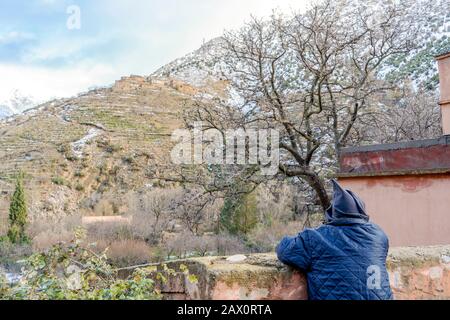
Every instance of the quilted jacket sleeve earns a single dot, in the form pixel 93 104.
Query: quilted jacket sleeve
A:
pixel 295 251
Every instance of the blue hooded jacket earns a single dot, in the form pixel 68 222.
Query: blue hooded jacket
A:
pixel 345 259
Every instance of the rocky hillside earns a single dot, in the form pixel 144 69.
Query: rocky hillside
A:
pixel 82 155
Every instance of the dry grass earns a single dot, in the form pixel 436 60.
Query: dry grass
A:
pixel 126 252
pixel 187 244
pixel 109 231
pixel 48 231
pixel 265 238
pixel 46 240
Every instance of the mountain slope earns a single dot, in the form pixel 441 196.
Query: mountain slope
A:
pixel 82 155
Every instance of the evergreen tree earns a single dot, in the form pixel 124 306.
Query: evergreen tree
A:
pixel 18 213
pixel 239 214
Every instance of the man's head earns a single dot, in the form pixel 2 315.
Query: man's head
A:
pixel 345 206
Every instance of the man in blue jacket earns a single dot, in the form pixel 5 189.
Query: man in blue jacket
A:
pixel 346 257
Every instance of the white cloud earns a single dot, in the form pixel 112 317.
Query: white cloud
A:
pixel 15 36
pixel 56 48
pixel 46 2
pixel 43 83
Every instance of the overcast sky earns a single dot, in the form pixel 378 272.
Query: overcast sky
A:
pixel 40 56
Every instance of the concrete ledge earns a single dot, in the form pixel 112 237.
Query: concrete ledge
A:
pixel 256 277
pixel 415 273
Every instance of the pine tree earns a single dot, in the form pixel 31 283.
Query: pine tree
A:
pixel 239 214
pixel 18 213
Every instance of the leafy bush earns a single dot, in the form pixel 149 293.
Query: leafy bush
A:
pixel 79 174
pixel 73 271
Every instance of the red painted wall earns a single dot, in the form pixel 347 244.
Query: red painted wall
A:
pixel 382 161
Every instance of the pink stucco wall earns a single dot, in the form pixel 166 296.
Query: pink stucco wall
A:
pixel 412 209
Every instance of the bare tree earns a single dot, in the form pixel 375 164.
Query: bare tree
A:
pixel 152 213
pixel 412 115
pixel 196 209
pixel 311 77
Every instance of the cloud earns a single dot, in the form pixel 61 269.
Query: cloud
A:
pixel 15 37
pixel 42 83
pixel 56 49
pixel 47 2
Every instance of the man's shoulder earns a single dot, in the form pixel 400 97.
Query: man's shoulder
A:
pixel 379 231
pixel 315 233
pixel 328 228
pixel 321 229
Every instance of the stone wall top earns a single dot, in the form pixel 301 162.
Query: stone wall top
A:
pixel 415 273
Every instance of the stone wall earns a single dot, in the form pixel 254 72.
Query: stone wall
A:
pixel 415 273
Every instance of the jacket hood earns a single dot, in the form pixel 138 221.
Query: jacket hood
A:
pixel 346 207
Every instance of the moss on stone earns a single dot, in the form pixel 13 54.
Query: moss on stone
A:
pixel 416 257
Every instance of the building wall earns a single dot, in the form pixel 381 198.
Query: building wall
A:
pixel 444 84
pixel 414 210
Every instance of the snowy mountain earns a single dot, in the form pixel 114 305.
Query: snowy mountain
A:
pixel 5 112
pixel 431 16
pixel 419 65
pixel 17 104
pixel 197 67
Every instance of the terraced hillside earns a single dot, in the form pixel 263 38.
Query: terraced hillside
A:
pixel 82 155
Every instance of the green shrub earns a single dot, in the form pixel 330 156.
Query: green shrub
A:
pixel 79 174
pixel 18 216
pixel 58 181
pixel 239 214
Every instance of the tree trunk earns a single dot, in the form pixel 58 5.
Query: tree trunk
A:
pixel 319 187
